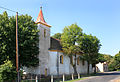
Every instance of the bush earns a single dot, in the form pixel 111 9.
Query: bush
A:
pixel 7 72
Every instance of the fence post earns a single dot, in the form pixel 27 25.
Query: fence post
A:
pixel 36 78
pixel 51 78
pixel 78 76
pixel 63 78
pixel 31 78
pixel 72 77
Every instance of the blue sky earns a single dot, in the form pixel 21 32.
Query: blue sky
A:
pixel 97 17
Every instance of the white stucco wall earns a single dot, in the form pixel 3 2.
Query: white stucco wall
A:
pixel 53 63
pixel 44 45
pixel 63 68
pixel 99 67
pixel 102 67
pixel 66 67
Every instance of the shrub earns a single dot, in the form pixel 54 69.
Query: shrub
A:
pixel 7 72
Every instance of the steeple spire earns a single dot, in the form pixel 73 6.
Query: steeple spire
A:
pixel 40 18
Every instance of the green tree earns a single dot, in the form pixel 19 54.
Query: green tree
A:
pixel 117 59
pixel 108 58
pixel 27 38
pixel 90 45
pixel 112 65
pixel 57 36
pixel 69 38
pixel 101 58
pixel 7 72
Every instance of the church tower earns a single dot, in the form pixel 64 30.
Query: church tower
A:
pixel 44 43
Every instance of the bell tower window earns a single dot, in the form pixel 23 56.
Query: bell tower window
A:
pixel 44 32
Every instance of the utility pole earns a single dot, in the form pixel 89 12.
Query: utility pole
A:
pixel 17 56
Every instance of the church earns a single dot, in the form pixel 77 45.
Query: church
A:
pixel 52 60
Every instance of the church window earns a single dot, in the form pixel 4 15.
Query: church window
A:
pixel 61 59
pixel 44 32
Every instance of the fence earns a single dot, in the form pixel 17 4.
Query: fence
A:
pixel 52 78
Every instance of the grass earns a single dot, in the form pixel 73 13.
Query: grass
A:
pixel 83 77
pixel 77 79
pixel 28 81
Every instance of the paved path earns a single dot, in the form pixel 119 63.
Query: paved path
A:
pixel 104 77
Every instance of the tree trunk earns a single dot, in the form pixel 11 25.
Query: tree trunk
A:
pixel 74 66
pixel 95 70
pixel 94 66
pixel 88 67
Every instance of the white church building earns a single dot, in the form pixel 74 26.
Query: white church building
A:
pixel 52 60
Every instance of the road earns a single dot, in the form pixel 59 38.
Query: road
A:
pixel 104 77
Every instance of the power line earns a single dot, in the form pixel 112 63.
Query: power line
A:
pixel 21 14
pixel 7 9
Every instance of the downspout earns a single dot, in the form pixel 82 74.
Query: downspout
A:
pixel 58 63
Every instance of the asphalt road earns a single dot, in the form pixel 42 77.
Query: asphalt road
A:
pixel 103 77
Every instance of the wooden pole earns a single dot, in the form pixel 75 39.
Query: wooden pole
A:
pixel 17 61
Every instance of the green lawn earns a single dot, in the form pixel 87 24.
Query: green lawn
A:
pixel 84 77
pixel 77 79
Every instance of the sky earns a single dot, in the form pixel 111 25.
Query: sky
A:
pixel 100 18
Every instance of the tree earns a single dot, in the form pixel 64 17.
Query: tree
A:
pixel 112 65
pixel 69 38
pixel 113 62
pixel 57 36
pixel 7 72
pixel 90 45
pixel 27 37
pixel 101 58
pixel 117 59
pixel 108 58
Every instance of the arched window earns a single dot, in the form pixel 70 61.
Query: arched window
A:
pixel 44 32
pixel 61 59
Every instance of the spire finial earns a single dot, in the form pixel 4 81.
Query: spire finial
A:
pixel 41 7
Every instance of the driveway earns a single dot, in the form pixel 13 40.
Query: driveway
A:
pixel 104 77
